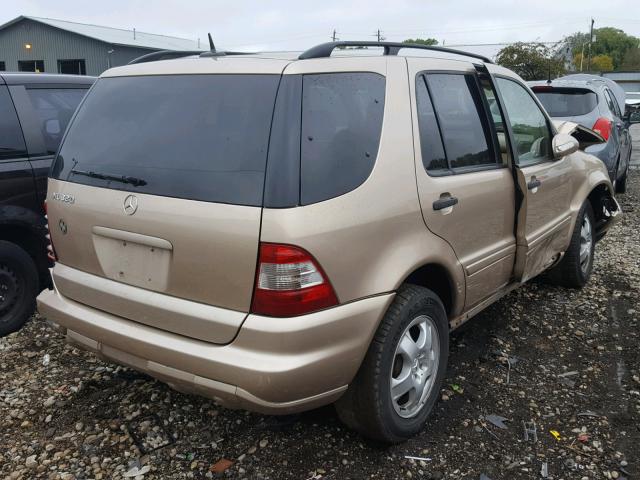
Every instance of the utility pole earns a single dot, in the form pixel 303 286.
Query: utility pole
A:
pixel 334 37
pixel 590 42
pixel 379 35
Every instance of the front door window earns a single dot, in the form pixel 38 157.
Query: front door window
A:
pixel 532 136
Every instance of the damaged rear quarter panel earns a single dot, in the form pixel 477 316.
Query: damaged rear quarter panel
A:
pixel 589 175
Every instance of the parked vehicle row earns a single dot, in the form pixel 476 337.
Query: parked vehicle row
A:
pixel 34 113
pixel 281 232
pixel 597 103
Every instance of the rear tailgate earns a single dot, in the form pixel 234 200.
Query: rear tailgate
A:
pixel 155 202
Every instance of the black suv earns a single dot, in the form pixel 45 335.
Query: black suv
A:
pixel 34 112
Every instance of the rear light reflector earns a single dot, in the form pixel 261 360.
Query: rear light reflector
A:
pixel 51 253
pixel 290 282
pixel 603 127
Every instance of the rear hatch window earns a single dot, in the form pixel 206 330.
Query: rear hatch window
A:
pixel 197 137
pixel 566 102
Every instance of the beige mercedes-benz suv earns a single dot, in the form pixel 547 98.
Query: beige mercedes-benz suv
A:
pixel 280 233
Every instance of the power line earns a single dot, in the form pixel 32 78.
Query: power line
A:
pixel 500 44
pixel 270 42
pixel 485 29
pixel 380 35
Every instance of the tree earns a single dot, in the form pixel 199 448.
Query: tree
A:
pixel 532 61
pixel 599 63
pixel 422 41
pixel 613 42
pixel 602 63
pixel 610 41
pixel 631 60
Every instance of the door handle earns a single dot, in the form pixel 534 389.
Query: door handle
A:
pixel 533 184
pixel 445 202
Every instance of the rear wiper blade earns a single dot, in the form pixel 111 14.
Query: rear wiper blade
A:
pixel 135 181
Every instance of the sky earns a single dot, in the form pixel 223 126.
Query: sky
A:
pixel 297 25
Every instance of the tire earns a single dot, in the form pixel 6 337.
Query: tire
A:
pixel 572 271
pixel 18 287
pixel 367 406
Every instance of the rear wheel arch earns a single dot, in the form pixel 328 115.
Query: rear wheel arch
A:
pixel 436 278
pixel 601 200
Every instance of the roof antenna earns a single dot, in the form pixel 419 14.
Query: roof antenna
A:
pixel 549 77
pixel 212 49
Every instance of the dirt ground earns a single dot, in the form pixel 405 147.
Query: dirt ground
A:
pixel 565 359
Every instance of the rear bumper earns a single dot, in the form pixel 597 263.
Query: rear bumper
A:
pixel 273 366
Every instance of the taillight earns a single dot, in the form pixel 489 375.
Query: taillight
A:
pixel 51 253
pixel 603 127
pixel 290 282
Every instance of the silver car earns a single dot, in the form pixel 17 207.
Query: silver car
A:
pixel 597 103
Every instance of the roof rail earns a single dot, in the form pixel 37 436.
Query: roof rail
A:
pixel 390 48
pixel 172 54
pixel 164 55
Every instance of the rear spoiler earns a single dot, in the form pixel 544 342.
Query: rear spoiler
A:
pixel 561 89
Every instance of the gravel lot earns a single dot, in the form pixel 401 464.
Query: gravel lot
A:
pixel 566 360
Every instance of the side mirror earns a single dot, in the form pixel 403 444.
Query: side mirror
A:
pixel 634 117
pixel 563 144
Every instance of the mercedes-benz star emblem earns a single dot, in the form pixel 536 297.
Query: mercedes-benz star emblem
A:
pixel 130 204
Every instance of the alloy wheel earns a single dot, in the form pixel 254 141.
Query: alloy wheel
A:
pixel 415 366
pixel 586 244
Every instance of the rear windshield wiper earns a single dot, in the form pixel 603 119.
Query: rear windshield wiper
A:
pixel 135 181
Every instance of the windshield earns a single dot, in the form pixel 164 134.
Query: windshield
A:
pixel 565 102
pixel 199 137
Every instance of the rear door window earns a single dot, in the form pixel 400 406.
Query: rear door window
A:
pixel 341 125
pixel 462 121
pixel 431 148
pixel 199 137
pixel 54 108
pixel 11 139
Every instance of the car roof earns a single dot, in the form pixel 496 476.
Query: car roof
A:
pixel 28 78
pixel 349 55
pixel 274 63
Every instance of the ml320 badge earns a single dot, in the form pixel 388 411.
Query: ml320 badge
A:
pixel 63 197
